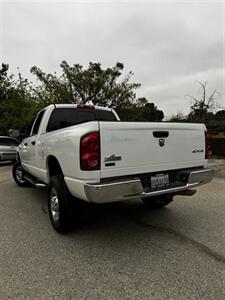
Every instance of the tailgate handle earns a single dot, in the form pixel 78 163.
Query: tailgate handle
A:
pixel 160 134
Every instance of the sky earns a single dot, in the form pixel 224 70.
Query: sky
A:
pixel 169 45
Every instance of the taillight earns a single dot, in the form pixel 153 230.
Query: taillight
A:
pixel 208 145
pixel 90 152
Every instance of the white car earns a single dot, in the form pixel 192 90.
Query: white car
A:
pixel 8 147
pixel 85 153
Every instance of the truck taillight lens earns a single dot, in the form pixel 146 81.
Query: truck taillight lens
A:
pixel 208 145
pixel 90 152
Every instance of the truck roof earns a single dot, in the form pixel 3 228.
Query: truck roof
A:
pixel 75 106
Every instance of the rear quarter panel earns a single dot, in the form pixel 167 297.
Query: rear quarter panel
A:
pixel 64 145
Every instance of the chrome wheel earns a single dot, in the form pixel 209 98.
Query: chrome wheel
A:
pixel 19 175
pixel 54 205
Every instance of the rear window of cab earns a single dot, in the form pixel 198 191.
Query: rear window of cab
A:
pixel 65 117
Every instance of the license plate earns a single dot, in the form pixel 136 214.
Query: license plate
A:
pixel 160 181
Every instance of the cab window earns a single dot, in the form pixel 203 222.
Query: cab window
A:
pixel 37 122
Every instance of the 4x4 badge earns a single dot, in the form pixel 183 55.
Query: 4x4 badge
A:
pixel 161 142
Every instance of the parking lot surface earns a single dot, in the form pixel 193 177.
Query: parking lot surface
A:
pixel 123 250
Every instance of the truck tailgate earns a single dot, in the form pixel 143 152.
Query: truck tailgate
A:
pixel 138 147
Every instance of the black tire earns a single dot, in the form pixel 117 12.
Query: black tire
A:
pixel 18 173
pixel 60 205
pixel 157 202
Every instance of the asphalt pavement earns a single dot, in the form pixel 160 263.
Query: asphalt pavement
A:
pixel 122 251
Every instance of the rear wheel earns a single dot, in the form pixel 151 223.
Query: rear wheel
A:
pixel 60 204
pixel 18 175
pixel 158 201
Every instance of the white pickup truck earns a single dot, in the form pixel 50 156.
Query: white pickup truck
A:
pixel 85 152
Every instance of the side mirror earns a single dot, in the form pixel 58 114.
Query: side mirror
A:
pixel 14 133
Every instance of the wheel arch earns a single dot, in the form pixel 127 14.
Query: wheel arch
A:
pixel 53 166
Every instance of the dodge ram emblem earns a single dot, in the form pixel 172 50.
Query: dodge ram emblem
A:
pixel 161 142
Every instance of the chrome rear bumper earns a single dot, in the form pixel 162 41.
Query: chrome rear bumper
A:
pixel 132 188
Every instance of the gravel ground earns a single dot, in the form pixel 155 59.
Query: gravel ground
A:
pixel 219 167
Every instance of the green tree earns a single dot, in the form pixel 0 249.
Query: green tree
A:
pixel 141 110
pixel 179 117
pixel 220 115
pixel 202 106
pixel 20 100
pixel 151 113
pixel 78 85
pixel 103 87
pixel 17 107
pixel 5 82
